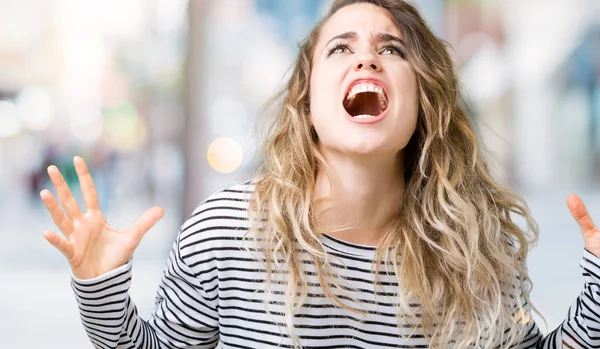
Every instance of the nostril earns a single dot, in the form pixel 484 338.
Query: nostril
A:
pixel 372 65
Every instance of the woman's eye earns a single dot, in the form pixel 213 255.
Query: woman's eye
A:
pixel 339 49
pixel 390 50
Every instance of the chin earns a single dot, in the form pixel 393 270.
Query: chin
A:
pixel 363 150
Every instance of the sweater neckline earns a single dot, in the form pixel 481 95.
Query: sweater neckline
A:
pixel 348 248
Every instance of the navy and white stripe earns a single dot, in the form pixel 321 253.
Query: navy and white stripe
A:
pixel 211 296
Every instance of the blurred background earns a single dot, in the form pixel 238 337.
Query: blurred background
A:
pixel 161 97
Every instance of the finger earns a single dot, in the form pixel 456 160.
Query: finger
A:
pixel 65 247
pixel 580 213
pixel 88 189
pixel 146 221
pixel 62 221
pixel 64 193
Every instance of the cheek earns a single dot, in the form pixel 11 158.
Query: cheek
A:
pixel 322 109
pixel 414 86
pixel 323 94
pixel 409 86
pixel 407 91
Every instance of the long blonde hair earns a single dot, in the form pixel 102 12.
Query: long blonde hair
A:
pixel 454 245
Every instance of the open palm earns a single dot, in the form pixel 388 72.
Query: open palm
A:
pixel 91 246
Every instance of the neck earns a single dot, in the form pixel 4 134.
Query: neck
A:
pixel 360 198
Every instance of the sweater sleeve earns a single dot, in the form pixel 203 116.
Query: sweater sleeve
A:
pixel 184 315
pixel 581 328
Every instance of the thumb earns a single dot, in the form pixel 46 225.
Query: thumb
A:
pixel 146 221
pixel 581 215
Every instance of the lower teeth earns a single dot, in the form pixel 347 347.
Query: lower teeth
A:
pixel 364 116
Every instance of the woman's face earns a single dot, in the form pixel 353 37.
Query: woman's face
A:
pixel 363 96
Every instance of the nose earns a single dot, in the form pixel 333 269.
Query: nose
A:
pixel 362 65
pixel 368 63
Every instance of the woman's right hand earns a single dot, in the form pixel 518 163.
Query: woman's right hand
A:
pixel 91 246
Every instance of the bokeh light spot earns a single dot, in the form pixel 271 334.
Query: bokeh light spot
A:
pixel 224 155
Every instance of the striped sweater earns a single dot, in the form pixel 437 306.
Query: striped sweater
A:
pixel 210 297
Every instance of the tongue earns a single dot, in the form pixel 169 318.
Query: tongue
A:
pixel 364 103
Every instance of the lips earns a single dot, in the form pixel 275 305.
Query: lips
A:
pixel 366 99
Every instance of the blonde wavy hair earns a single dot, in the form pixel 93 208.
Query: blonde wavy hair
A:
pixel 454 244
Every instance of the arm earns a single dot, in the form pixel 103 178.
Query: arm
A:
pixel 185 316
pixel 100 261
pixel 581 328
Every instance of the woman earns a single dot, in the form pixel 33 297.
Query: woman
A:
pixel 373 222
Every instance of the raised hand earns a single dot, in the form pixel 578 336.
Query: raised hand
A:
pixel 591 234
pixel 90 245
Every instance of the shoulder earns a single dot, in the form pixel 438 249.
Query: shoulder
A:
pixel 220 220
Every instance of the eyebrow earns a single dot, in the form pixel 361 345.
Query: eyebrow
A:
pixel 385 37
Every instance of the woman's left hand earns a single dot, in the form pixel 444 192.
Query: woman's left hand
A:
pixel 591 234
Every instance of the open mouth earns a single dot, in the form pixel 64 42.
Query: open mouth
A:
pixel 365 100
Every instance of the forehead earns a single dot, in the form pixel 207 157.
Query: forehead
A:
pixel 361 18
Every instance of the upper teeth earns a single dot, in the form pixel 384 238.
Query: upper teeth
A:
pixel 367 87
